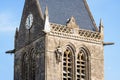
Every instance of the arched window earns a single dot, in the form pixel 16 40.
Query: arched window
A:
pixel 32 65
pixel 68 64
pixel 25 67
pixel 82 65
pixel 29 65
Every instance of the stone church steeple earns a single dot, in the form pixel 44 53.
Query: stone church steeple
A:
pixel 58 40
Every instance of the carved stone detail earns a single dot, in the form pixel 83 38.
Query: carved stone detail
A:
pixel 72 23
pixel 86 34
pixel 58 53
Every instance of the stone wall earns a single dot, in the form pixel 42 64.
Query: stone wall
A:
pixel 39 48
pixel 54 69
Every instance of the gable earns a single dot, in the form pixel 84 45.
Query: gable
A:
pixel 61 10
pixel 27 35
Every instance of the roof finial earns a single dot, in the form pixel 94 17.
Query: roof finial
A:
pixel 46 12
pixel 46 24
pixel 101 29
pixel 101 23
pixel 16 33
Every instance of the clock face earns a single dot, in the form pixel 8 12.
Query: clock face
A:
pixel 29 21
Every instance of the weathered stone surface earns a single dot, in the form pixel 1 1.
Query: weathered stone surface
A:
pixel 79 53
pixel 95 58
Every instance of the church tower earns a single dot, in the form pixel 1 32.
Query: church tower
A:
pixel 58 40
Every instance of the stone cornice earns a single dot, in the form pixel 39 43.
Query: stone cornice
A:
pixel 74 33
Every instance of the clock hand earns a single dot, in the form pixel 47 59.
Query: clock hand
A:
pixel 29 21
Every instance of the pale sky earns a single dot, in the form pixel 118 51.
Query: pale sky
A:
pixel 108 10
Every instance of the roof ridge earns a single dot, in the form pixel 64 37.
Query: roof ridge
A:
pixel 90 14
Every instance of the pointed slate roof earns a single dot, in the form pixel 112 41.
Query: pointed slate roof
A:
pixel 61 10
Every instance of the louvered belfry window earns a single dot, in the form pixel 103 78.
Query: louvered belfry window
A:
pixel 82 65
pixel 75 65
pixel 68 64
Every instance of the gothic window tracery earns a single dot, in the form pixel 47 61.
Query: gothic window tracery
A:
pixel 75 68
pixel 68 60
pixel 29 65
pixel 82 65
pixel 32 65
